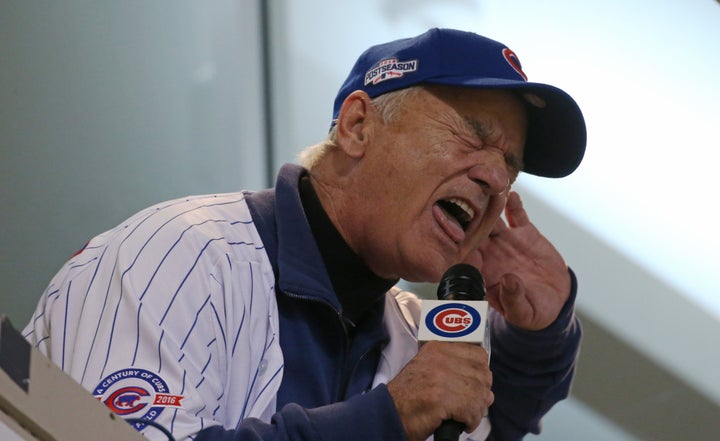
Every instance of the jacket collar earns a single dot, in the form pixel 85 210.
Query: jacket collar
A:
pixel 280 219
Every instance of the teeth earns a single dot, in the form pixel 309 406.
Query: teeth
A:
pixel 464 206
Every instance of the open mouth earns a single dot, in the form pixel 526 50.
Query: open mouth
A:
pixel 458 210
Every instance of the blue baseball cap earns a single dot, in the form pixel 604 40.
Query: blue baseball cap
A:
pixel 556 135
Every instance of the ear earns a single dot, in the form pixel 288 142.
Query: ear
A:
pixel 355 123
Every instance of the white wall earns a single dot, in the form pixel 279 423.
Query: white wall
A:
pixel 107 107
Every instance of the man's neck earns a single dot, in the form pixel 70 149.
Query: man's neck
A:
pixel 355 285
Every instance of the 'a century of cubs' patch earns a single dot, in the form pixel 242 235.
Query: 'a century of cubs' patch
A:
pixel 136 393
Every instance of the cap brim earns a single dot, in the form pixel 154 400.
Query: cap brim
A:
pixel 556 135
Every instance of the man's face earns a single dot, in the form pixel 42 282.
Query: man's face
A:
pixel 437 179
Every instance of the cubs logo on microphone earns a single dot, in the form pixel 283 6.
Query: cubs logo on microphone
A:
pixel 453 321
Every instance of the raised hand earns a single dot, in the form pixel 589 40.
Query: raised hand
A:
pixel 527 279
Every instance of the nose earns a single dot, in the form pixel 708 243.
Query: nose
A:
pixel 491 174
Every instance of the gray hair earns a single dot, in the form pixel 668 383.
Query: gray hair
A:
pixel 388 105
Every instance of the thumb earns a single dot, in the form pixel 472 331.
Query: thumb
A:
pixel 511 287
pixel 515 305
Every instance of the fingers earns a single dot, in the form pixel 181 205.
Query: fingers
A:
pixel 527 278
pixel 515 215
pixel 498 228
pixel 444 381
pixel 515 212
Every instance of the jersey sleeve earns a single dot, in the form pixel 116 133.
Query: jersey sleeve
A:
pixel 168 318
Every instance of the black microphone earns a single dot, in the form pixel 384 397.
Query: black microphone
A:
pixel 452 321
pixel 461 282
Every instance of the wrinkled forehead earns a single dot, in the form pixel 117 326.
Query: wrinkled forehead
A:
pixel 485 111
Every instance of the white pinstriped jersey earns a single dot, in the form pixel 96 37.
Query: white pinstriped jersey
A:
pixel 177 295
pixel 171 317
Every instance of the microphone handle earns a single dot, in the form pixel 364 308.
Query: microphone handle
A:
pixel 449 430
pixel 460 282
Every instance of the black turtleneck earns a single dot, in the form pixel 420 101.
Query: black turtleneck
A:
pixel 357 287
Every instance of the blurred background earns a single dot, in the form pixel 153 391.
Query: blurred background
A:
pixel 108 107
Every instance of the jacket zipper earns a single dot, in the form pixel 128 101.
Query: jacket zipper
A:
pixel 342 383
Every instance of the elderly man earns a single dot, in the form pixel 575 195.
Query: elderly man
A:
pixel 272 315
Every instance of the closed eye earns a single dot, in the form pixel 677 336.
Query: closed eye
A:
pixel 482 134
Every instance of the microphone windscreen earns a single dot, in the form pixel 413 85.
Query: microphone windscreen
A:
pixel 461 282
